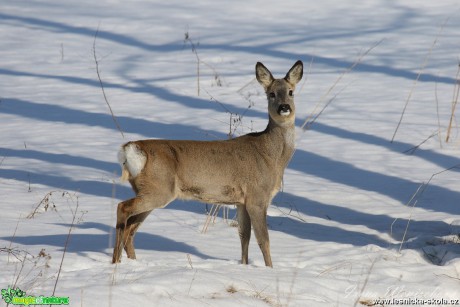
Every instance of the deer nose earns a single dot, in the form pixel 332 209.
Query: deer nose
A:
pixel 284 110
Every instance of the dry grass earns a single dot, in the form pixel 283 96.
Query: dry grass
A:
pixel 314 114
pixel 454 102
pixel 47 202
pixel 74 199
pixel 96 61
pixel 417 195
pixel 425 62
pixel 254 292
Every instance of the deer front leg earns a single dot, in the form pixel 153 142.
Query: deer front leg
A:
pixel 258 215
pixel 244 230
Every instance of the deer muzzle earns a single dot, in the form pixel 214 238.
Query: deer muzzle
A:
pixel 284 110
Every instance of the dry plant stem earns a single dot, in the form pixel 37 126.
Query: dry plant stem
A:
pixel 298 217
pixel 45 200
pixel 20 271
pixel 190 261
pixel 239 118
pixel 454 102
pixel 198 62
pixel 349 69
pixel 365 282
pixel 212 213
pixel 14 252
pixel 420 190
pixel 191 282
pixel 102 85
pixel 437 113
pixel 425 61
pixel 112 217
pixel 216 74
pixel 192 44
pixel 14 236
pixel 413 149
pixel 113 282
pixel 324 108
pixel 245 86
pixel 218 102
pixel 306 76
pixel 294 277
pixel 65 246
pixel 456 278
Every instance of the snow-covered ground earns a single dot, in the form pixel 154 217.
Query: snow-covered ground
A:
pixel 360 218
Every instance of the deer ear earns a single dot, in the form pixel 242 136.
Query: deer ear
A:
pixel 263 75
pixel 295 73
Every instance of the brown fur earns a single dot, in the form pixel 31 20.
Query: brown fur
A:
pixel 246 171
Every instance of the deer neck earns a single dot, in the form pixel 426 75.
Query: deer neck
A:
pixel 281 137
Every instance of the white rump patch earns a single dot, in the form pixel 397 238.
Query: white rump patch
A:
pixel 133 158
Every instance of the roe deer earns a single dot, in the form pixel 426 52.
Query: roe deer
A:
pixel 245 171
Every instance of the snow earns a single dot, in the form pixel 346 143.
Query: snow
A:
pixel 359 218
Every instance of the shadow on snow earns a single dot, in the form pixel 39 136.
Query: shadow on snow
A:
pixel 307 162
pixel 80 243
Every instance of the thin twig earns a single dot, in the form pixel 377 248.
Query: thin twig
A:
pixel 454 102
pixel 15 252
pixel 65 246
pixel 447 276
pixel 294 277
pixel 102 85
pixel 217 77
pixel 233 116
pixel 365 282
pixel 308 125
pixel 218 102
pixel 115 267
pixel 437 113
pixel 425 62
pixel 307 75
pixel 20 270
pixel 194 50
pixel 289 214
pixel 190 261
pixel 193 279
pixel 45 200
pixel 413 149
pixel 420 190
pixel 14 236
pixel 349 69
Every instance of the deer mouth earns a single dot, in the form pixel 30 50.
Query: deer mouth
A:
pixel 284 110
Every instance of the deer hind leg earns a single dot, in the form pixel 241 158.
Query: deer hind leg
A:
pixel 244 230
pixel 130 214
pixel 132 226
pixel 258 214
pixel 121 237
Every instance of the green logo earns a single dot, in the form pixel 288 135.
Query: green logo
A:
pixel 18 297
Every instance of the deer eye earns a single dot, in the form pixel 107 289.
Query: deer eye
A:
pixel 291 93
pixel 272 95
